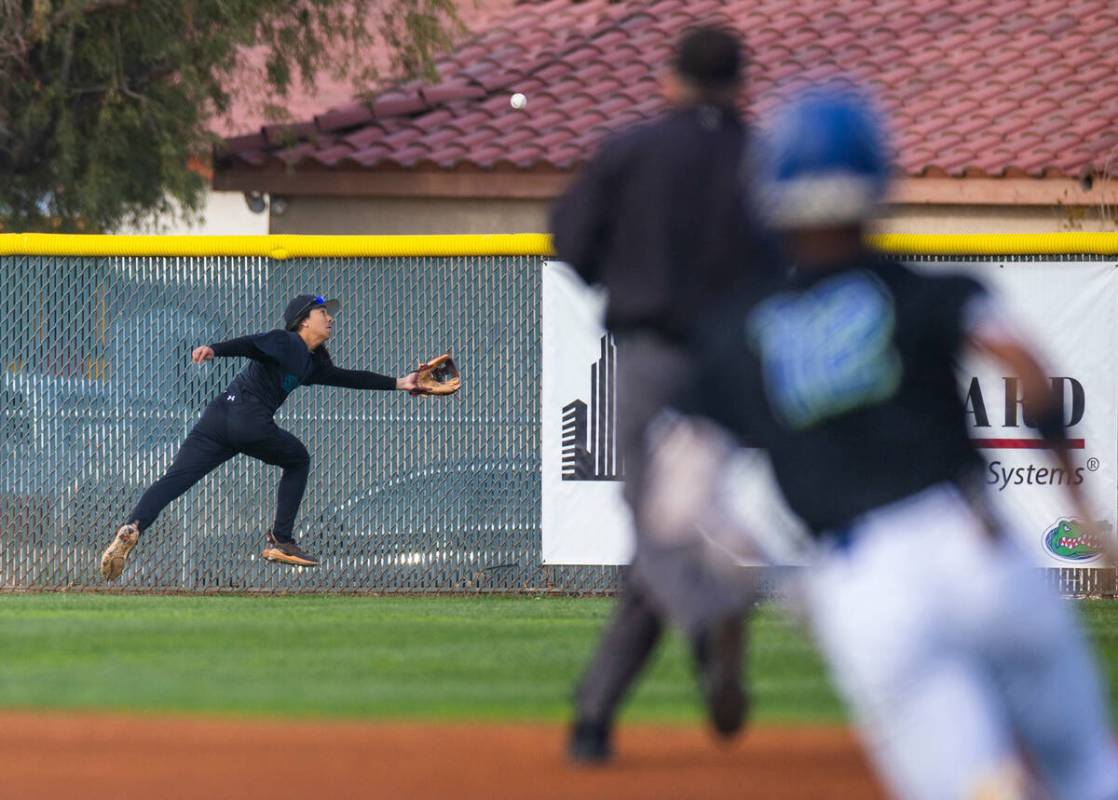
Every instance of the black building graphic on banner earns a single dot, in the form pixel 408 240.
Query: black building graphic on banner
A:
pixel 590 430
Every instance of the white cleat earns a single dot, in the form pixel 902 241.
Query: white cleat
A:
pixel 112 560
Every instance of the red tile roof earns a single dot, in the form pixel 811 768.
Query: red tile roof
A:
pixel 248 107
pixel 973 87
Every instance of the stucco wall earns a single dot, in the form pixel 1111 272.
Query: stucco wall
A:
pixel 997 219
pixel 377 215
pixel 223 214
pixel 330 215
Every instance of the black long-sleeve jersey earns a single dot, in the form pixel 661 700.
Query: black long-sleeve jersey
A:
pixel 848 380
pixel 281 362
pixel 661 218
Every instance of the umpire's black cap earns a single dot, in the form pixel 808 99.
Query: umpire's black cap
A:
pixel 710 56
pixel 304 304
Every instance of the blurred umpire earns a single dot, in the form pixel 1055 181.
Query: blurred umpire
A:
pixel 658 219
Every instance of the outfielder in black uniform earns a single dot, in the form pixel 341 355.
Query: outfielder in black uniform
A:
pixel 658 219
pixel 241 420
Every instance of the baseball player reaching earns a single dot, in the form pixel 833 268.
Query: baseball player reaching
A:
pixel 241 420
pixel 967 677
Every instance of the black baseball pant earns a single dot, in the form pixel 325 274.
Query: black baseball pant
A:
pixel 233 424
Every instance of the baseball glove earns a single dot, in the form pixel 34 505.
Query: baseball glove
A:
pixel 438 376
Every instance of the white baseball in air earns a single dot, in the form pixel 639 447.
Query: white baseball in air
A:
pixel 518 101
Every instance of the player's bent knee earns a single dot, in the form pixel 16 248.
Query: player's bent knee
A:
pixel 298 456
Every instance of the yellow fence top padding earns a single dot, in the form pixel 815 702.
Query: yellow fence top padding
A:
pixel 1008 244
pixel 280 247
pixel 515 244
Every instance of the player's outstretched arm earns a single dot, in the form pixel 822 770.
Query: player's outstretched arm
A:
pixel 258 347
pixel 329 375
pixel 326 374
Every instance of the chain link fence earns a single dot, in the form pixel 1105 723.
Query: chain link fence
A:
pixel 406 494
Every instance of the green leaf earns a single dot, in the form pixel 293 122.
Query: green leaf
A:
pixel 105 102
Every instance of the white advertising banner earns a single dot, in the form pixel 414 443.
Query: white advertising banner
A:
pixel 1065 309
pixel 585 520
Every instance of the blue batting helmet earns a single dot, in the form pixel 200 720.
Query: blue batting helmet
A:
pixel 824 161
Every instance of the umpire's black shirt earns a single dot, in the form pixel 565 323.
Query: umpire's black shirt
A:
pixel 659 218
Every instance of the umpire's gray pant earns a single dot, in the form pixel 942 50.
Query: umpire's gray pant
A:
pixel 674 581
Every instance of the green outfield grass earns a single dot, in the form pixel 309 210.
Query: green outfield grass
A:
pixel 447 658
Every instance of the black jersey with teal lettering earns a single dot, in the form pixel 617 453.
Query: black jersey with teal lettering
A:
pixel 848 379
pixel 281 362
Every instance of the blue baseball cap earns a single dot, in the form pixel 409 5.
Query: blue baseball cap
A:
pixel 826 159
pixel 304 304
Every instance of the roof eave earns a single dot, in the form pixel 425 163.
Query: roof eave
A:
pixel 535 184
pixel 543 183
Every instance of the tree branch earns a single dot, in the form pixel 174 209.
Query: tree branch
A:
pixel 88 9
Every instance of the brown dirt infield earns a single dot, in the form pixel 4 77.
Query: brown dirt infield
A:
pixel 92 756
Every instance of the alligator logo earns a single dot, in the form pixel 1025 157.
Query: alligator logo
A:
pixel 1068 542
